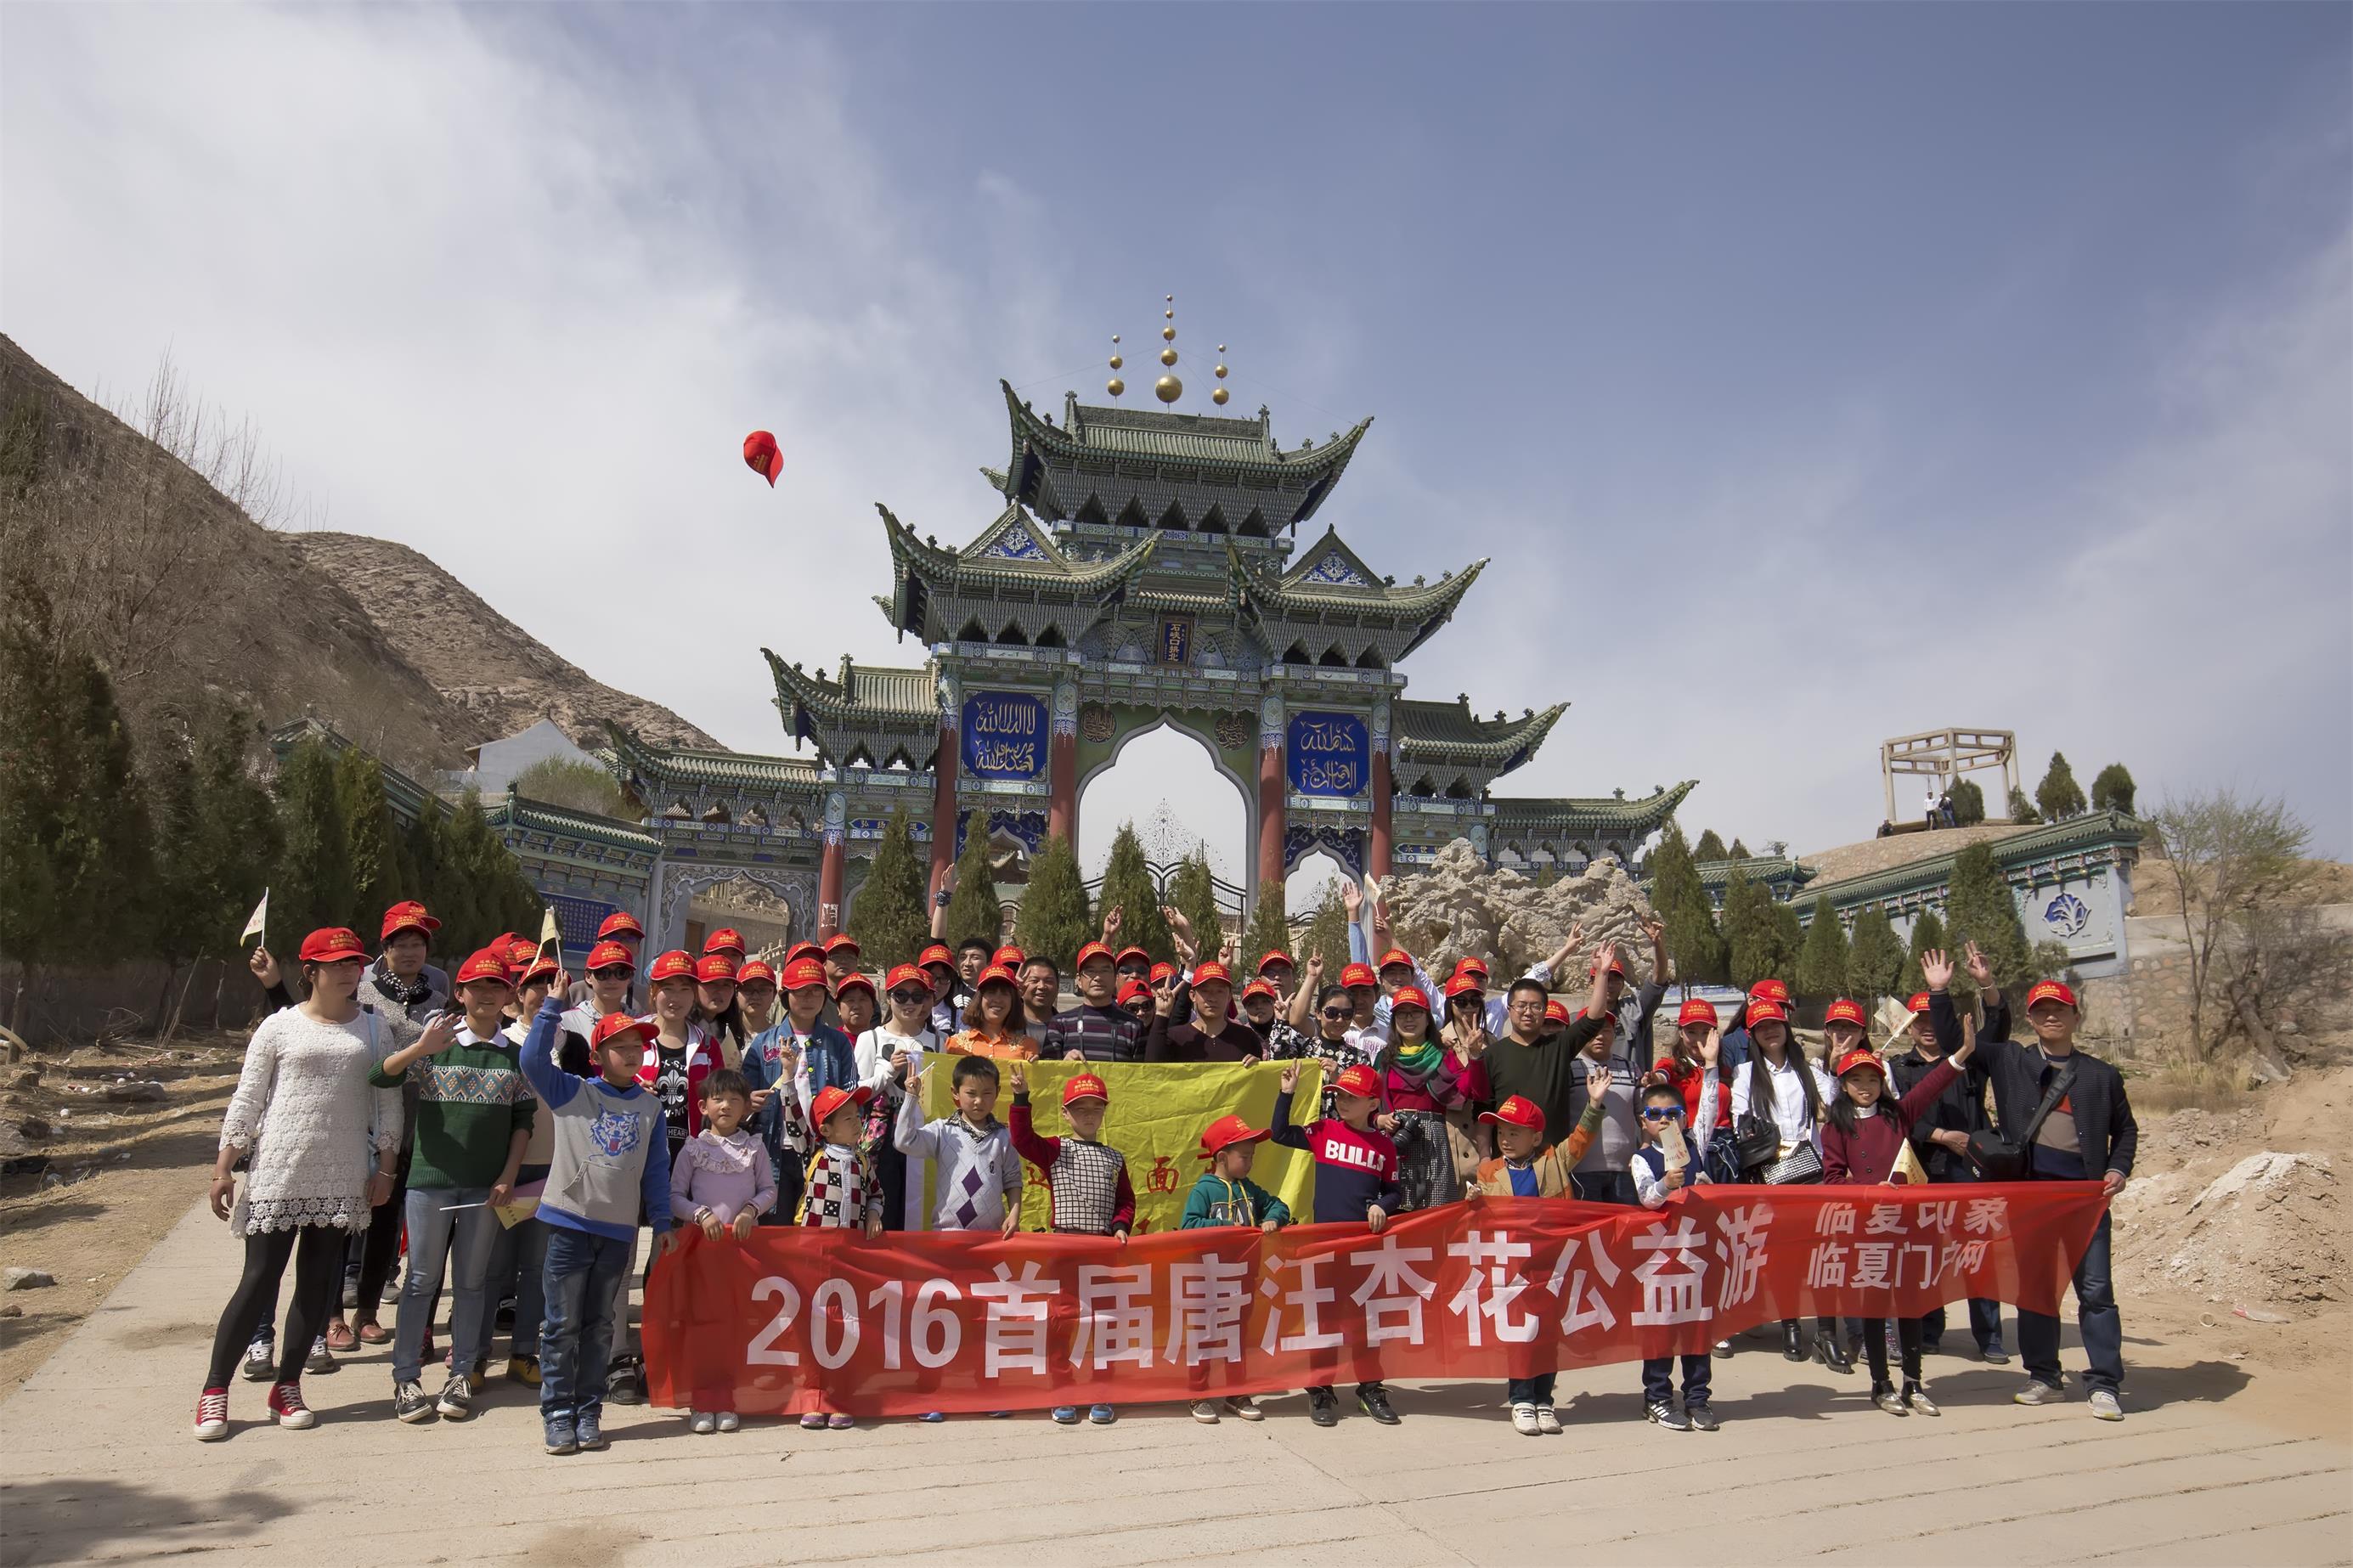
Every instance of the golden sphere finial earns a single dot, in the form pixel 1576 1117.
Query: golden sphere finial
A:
pixel 1221 372
pixel 1117 361
pixel 1114 337
pixel 1167 357
pixel 1170 297
pixel 1168 334
pixel 1218 396
pixel 1221 348
pixel 1168 389
pixel 1115 386
pixel 1169 315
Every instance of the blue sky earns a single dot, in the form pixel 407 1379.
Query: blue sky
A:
pixel 1812 375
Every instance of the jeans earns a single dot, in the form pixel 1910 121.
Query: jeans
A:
pixel 518 1258
pixel 1604 1187
pixel 576 1341
pixel 1537 1390
pixel 2095 1318
pixel 1985 1317
pixel 453 1226
pixel 1659 1385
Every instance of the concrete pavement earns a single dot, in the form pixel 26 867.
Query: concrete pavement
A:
pixel 101 1468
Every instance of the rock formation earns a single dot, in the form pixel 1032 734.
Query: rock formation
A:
pixel 1457 906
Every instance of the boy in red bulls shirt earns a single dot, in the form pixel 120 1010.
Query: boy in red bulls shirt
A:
pixel 1356 1184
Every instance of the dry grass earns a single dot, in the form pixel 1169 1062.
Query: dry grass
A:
pixel 2187 1086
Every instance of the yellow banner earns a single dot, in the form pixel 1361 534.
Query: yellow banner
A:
pixel 1156 1118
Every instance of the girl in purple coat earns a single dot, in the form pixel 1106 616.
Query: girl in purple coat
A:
pixel 723 1182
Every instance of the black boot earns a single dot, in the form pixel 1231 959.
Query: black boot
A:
pixel 1831 1353
pixel 1793 1344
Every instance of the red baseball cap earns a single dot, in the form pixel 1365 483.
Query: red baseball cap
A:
pixel 803 973
pixel 540 963
pixel 1093 950
pixel 488 964
pixel 830 1101
pixel 1696 1010
pixel 1769 990
pixel 520 951
pixel 1556 1011
pixel 801 949
pixel 333 944
pixel 1135 990
pixel 1919 1003
pixel 2048 991
pixel 613 1025
pixel 620 922
pixel 1161 972
pixel 1275 957
pixel 1212 970
pixel 1609 959
pixel 1225 1132
pixel 409 915
pixel 856 979
pixel 1009 955
pixel 1396 958
pixel 906 974
pixel 715 966
pixel 1084 1085
pixel 610 956
pixel 754 972
pixel 1767 1011
pixel 1463 985
pixel 671 966
pixel 1407 997
pixel 841 939
pixel 1261 988
pixel 1846 1011
pixel 1358 1079
pixel 1359 974
pixel 726 939
pixel 1861 1056
pixel 1125 953
pixel 1472 963
pixel 995 975
pixel 1517 1112
pixel 936 953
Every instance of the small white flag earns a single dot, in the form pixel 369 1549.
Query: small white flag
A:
pixel 258 919
pixel 549 937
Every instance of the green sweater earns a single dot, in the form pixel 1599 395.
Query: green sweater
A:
pixel 470 1101
pixel 1216 1201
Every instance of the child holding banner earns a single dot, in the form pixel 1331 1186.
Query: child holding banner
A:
pixel 1356 1184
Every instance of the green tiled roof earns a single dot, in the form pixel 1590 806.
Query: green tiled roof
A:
pixel 2094 831
pixel 677 765
pixel 1586 814
pixel 859 697
pixel 974 568
pixel 1756 868
pixel 1302 590
pixel 1442 732
pixel 1207 439
pixel 535 815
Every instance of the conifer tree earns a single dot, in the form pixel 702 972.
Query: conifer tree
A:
pixel 2112 790
pixel 1968 804
pixel 2022 810
pixel 1192 893
pixel 1788 941
pixel 1676 892
pixel 972 910
pixel 1822 960
pixel 216 837
pixel 1875 959
pixel 1269 927
pixel 1709 847
pixel 371 835
pixel 1054 919
pixel 1979 908
pixel 889 919
pixel 313 884
pixel 35 782
pixel 1739 851
pixel 1928 932
pixel 2058 795
pixel 1749 934
pixel 1127 888
pixel 1327 934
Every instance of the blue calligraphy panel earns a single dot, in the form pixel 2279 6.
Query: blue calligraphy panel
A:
pixel 1328 754
pixel 1004 735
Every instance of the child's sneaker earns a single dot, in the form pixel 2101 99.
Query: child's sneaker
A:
pixel 1547 1421
pixel 320 1358
pixel 1066 1416
pixel 1323 1407
pixel 1702 1417
pixel 590 1425
pixel 813 1421
pixel 1375 1401
pixel 1205 1411
pixel 1885 1398
pixel 2106 1405
pixel 729 1421
pixel 560 1436
pixel 1664 1413
pixel 260 1363
pixel 933 1418
pixel 457 1401
pixel 411 1404
pixel 703 1423
pixel 286 1407
pixel 837 1422
pixel 1101 1415
pixel 524 1369
pixel 2038 1392
pixel 1918 1398
pixel 1244 1407
pixel 212 1416
pixel 1524 1420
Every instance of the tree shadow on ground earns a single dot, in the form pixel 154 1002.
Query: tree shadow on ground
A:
pixel 72 1519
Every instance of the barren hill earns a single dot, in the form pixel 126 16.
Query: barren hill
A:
pixel 1901 848
pixel 490 668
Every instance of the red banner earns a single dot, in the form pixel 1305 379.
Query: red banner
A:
pixel 796 1320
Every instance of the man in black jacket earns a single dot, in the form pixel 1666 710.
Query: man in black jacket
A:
pixel 1941 1139
pixel 2090 1132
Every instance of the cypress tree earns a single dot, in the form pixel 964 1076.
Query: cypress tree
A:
pixel 1875 959
pixel 1928 932
pixel 889 919
pixel 35 782
pixel 107 844
pixel 1822 962
pixel 1192 893
pixel 1979 908
pixel 1327 934
pixel 1054 919
pixel 1739 851
pixel 313 884
pixel 1269 927
pixel 973 910
pixel 2112 790
pixel 1789 940
pixel 216 840
pixel 370 833
pixel 1127 888
pixel 2058 795
pixel 2022 810
pixel 1749 935
pixel 1676 892
pixel 1709 847
pixel 1968 804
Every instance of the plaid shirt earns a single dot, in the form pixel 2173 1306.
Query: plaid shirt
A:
pixel 1097 1034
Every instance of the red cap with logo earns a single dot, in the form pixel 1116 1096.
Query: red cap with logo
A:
pixel 1136 953
pixel 333 944
pixel 1767 1011
pixel 1009 955
pixel 1359 974
pixel 1084 1085
pixel 1092 951
pixel 841 941
pixel 1846 1010
pixel 541 964
pixel 610 956
pixel 620 922
pixel 1696 1010
pixel 856 980
pixel 714 966
pixel 2048 991
pixel 1134 991
pixel 1861 1056
pixel 995 975
pixel 409 915
pixel 1396 958
pixel 1225 1132
pixel 906 974
pixel 520 951
pixel 1407 997
pixel 1919 1002
pixel 756 973
pixel 833 1100
pixel 1273 958
pixel 801 949
pixel 1464 985
pixel 1556 1012
pixel 1471 965
pixel 1517 1112
pixel 726 939
pixel 1356 1079
pixel 803 973
pixel 1769 991
pixel 1161 972
pixel 672 965
pixel 936 953
pixel 1261 988
pixel 613 1025
pixel 1203 974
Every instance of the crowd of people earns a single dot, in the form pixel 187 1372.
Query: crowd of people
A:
pixel 513 1132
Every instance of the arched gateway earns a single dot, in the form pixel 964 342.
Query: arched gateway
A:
pixel 1143 568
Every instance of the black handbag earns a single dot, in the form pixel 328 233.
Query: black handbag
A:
pixel 1756 1139
pixel 1997 1158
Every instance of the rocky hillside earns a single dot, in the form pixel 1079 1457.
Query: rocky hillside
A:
pixel 477 658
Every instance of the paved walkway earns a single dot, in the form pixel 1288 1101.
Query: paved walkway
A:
pixel 99 1468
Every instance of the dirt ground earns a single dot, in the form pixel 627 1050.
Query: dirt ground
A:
pixel 85 1202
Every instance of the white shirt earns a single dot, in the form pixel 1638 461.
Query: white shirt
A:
pixel 877 1048
pixel 1788 1097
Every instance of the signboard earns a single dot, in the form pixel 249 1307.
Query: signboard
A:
pixel 1004 735
pixel 1176 639
pixel 1328 754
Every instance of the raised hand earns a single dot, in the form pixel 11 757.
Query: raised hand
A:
pixel 1980 968
pixel 1018 1077
pixel 1656 930
pixel 1935 968
pixel 1315 971
pixel 1352 899
pixel 1596 1085
pixel 1289 1081
pixel 264 964
pixel 1177 923
pixel 1471 1036
pixel 440 1035
pixel 1711 1049
pixel 1114 917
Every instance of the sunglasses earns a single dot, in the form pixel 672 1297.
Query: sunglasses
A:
pixel 613 971
pixel 1662 1113
pixel 1335 1012
pixel 910 997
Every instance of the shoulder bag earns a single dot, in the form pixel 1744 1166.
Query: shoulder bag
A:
pixel 1997 1158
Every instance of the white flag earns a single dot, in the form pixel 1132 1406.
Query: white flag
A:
pixel 259 918
pixel 549 937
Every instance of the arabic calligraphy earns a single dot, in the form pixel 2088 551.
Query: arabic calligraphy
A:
pixel 1004 735
pixel 1327 753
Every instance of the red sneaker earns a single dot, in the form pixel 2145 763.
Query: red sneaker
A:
pixel 286 1407
pixel 212 1416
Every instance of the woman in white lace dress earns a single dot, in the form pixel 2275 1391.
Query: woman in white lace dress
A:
pixel 319 1147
